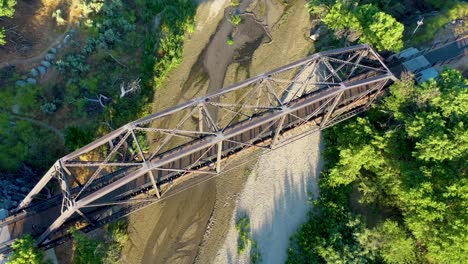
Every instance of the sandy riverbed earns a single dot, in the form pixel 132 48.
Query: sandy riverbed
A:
pixel 276 199
pixel 196 224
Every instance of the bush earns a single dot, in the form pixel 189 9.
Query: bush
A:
pixel 243 227
pixel 235 3
pixel 230 41
pixel 24 252
pixel 235 19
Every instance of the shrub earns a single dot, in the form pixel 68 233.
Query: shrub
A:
pixel 24 251
pixel 57 14
pixel 235 19
pixel 235 3
pixel 230 41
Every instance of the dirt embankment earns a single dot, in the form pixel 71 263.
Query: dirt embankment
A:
pixel 193 225
pixel 33 30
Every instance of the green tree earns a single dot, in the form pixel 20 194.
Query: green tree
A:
pixel 384 32
pixel 76 137
pixel 392 242
pixel 7 9
pixel 413 157
pixel 24 252
pixel 366 23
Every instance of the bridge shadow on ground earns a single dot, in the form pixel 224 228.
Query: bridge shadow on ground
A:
pixel 276 200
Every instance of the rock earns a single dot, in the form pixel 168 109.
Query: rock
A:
pixel 20 83
pixel 53 51
pixel 16 109
pixel 314 37
pixel 66 39
pixel 59 46
pixel 73 31
pixel 3 214
pixel 34 72
pixel 31 81
pixel 46 64
pixel 50 56
pixel 19 180
pixel 42 70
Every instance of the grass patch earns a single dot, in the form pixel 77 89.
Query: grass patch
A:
pixel 433 24
pixel 245 238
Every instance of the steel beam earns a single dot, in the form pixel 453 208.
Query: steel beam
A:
pixel 218 156
pixel 278 130
pixel 331 109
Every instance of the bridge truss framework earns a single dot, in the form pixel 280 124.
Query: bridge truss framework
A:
pixel 196 136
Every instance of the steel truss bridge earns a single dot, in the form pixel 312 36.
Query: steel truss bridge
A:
pixel 99 182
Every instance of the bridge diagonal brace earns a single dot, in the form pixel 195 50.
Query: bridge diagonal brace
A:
pixel 330 68
pixel 277 131
pixel 99 169
pixel 169 137
pixel 343 63
pixel 331 109
pixel 212 124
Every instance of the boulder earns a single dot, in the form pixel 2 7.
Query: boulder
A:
pixel 3 214
pixel 50 56
pixel 42 70
pixel 53 51
pixel 20 83
pixel 34 72
pixel 46 64
pixel 31 81
pixel 66 39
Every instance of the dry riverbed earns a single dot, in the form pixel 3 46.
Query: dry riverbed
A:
pixel 198 225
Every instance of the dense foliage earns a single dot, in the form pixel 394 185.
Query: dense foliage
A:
pixel 364 22
pixel 409 154
pixel 25 252
pixel 103 251
pixel 7 9
pixel 118 42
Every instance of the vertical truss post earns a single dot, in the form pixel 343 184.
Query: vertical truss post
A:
pixel 153 181
pixel 200 118
pixel 278 130
pixel 330 111
pixel 218 159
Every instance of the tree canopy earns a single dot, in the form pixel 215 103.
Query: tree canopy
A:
pixel 365 23
pixel 7 9
pixel 408 153
pixel 24 252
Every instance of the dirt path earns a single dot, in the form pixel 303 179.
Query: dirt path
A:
pixel 41 55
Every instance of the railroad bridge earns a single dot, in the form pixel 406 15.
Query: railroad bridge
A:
pixel 140 163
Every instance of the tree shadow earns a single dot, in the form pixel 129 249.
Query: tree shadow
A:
pixel 274 221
